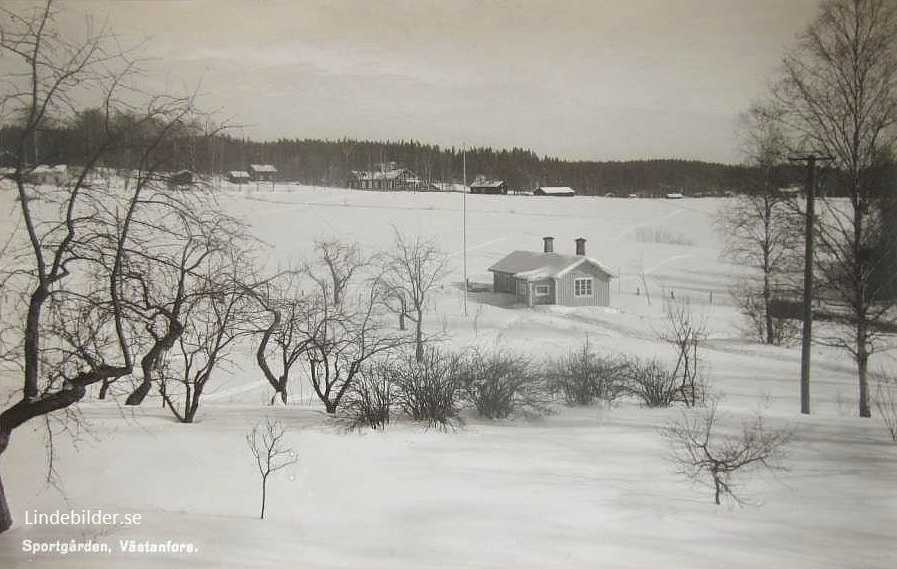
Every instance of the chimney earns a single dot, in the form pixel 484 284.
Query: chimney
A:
pixel 580 246
pixel 548 244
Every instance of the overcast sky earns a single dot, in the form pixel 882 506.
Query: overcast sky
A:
pixel 578 79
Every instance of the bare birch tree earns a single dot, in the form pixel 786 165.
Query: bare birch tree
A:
pixel 762 232
pixel 839 96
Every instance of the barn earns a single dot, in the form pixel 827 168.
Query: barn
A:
pixel 48 175
pixel 489 187
pixel 238 177
pixel 262 172
pixel 556 191
pixel 551 278
pixel 389 177
pixel 181 179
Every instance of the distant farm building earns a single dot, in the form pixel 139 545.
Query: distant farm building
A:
pixel 483 186
pixel 238 177
pixel 389 177
pixel 262 172
pixel 181 179
pixel 551 278
pixel 48 175
pixel 557 191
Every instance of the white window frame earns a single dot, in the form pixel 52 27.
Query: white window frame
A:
pixel 580 284
pixel 544 288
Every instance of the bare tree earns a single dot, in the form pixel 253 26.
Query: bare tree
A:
pixel 333 268
pixel 762 231
pixel 287 335
pixel 685 333
pixel 701 454
pixel 168 272
pixel 214 321
pixel 838 97
pixel 345 321
pixel 267 446
pixel 68 268
pixel 412 270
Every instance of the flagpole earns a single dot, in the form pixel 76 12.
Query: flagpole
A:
pixel 464 220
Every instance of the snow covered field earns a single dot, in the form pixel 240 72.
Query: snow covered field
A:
pixel 580 488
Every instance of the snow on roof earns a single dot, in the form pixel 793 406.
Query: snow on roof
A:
pixel 45 169
pixel 382 174
pixel 530 265
pixel 238 174
pixel 556 190
pixel 267 168
pixel 487 184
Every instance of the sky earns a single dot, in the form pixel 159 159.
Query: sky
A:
pixel 574 79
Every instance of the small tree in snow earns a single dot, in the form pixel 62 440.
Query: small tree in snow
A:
pixel 685 333
pixel 886 403
pixel 703 455
pixel 412 270
pixel 266 442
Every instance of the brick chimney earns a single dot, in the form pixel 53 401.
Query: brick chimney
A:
pixel 548 244
pixel 580 246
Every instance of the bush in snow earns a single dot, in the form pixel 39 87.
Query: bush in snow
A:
pixel 369 401
pixel 703 455
pixel 502 384
pixel 428 390
pixel 651 382
pixel 580 376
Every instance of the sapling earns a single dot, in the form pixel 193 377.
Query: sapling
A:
pixel 702 454
pixel 267 446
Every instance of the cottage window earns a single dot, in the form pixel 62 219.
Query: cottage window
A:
pixel 541 290
pixel 582 287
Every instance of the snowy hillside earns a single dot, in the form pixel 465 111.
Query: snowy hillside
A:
pixel 582 487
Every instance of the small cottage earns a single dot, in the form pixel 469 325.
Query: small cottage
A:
pixel 43 174
pixel 262 172
pixel 181 179
pixel 551 278
pixel 556 191
pixel 482 186
pixel 238 177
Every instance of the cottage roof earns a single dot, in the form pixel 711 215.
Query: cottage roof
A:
pixel 381 174
pixel 531 265
pixel 263 168
pixel 556 190
pixel 487 184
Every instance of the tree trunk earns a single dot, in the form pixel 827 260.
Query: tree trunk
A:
pixel 5 514
pixel 862 369
pixel 767 313
pixel 419 338
pixel 104 389
pixel 264 496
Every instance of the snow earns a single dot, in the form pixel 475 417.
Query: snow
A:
pixel 585 487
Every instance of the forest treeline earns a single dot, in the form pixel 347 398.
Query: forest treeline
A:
pixel 328 162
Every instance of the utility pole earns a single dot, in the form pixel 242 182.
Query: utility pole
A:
pixel 807 333
pixel 464 220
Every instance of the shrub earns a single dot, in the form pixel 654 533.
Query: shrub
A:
pixel 428 390
pixel 369 403
pixel 581 376
pixel 651 382
pixel 502 384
